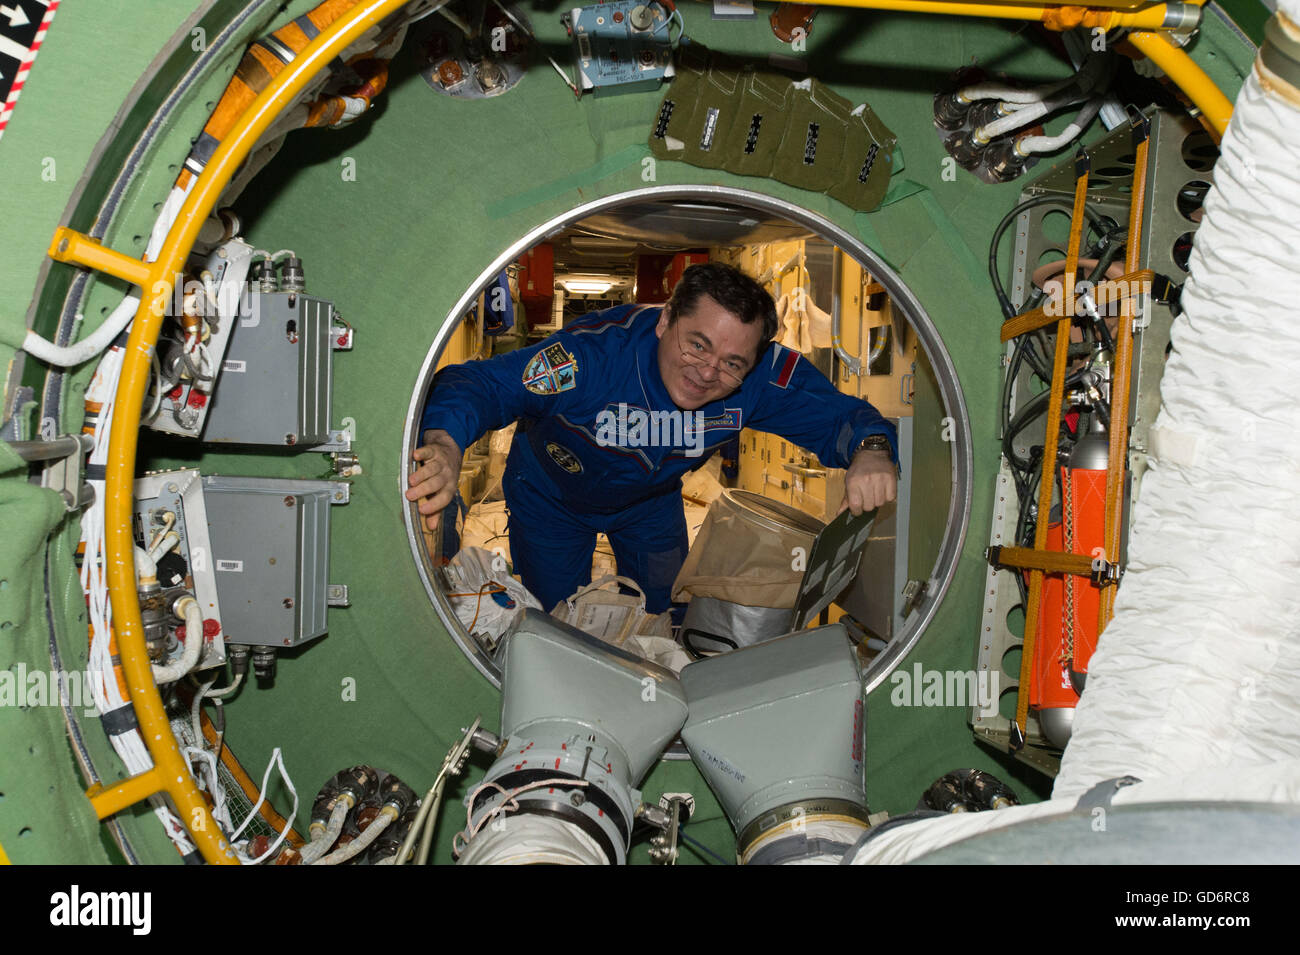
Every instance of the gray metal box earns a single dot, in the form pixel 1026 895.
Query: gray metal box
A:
pixel 270 548
pixel 277 376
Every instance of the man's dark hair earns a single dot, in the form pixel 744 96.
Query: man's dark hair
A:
pixel 732 289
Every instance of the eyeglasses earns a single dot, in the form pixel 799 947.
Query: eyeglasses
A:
pixel 730 370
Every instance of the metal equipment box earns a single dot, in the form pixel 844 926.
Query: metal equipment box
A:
pixel 621 47
pixel 270 549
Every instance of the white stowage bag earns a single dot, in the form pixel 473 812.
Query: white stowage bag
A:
pixel 474 576
pixel 621 620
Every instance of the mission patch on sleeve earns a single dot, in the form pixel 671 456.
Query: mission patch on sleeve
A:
pixel 551 371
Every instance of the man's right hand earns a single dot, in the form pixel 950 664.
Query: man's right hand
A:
pixel 435 481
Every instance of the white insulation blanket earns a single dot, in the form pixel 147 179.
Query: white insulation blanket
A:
pixel 1195 685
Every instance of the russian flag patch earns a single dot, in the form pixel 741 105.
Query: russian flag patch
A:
pixel 784 361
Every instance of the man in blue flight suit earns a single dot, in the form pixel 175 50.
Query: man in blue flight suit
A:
pixel 615 408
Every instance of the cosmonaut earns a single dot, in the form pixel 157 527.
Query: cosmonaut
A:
pixel 584 458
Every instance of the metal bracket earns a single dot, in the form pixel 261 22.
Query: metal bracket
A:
pixel 340 440
pixel 65 467
pixel 677 807
pixel 342 337
pixel 1104 572
pixel 336 595
pixel 913 593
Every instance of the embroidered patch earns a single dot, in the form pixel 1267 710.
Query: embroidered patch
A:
pixel 564 458
pixel 783 368
pixel 729 420
pixel 551 371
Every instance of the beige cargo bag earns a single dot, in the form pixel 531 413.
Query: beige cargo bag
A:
pixel 621 620
pixel 750 550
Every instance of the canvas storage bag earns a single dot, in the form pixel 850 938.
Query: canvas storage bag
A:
pixel 621 620
pixel 745 552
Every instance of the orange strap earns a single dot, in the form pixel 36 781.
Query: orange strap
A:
pixel 1103 293
pixel 1051 437
pixel 1122 372
pixel 1047 561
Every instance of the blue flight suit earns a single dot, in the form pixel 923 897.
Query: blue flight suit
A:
pixel 595 453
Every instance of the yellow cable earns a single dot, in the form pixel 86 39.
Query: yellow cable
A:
pixel 120 469
pixel 1054 16
pixel 1187 76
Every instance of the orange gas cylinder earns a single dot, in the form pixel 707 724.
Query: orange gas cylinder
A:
pixel 1067 619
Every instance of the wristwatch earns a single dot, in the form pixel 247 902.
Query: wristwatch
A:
pixel 876 442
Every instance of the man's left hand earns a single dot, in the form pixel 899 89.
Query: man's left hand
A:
pixel 872 480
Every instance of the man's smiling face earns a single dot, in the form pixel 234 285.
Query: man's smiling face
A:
pixel 706 353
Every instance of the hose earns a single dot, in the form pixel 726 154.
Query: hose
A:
pixel 225 691
pixel 189 608
pixel 1080 86
pixel 360 844
pixel 1010 94
pixel 1008 310
pixel 328 835
pixel 1046 144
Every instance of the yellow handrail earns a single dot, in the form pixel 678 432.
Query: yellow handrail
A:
pixel 1187 76
pixel 157 283
pixel 1054 16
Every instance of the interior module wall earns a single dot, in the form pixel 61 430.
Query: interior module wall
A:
pixel 393 217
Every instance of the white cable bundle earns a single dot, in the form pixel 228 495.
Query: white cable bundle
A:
pixel 108 696
pixel 130 746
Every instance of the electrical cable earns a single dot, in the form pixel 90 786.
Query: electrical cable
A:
pixel 277 759
pixel 360 844
pixel 702 847
pixel 1096 220
pixel 1094 74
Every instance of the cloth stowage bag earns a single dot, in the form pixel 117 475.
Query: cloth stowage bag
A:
pixel 747 556
pixel 621 620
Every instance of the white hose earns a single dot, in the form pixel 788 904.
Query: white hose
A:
pixel 165 543
pixel 1079 87
pixel 193 614
pixel 363 841
pixel 529 839
pixel 146 571
pixel 1047 144
pixel 66 356
pixel 224 691
pixel 323 840
pixel 1011 94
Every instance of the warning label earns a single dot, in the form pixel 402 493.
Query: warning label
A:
pixel 22 31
